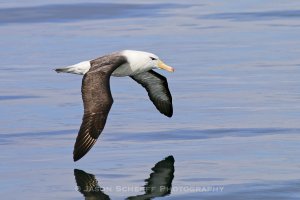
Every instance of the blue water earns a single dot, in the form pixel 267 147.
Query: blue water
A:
pixel 235 129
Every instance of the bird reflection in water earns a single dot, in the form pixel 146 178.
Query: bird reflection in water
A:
pixel 159 183
pixel 87 185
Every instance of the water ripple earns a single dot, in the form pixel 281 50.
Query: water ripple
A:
pixel 202 134
pixel 76 12
pixel 166 135
pixel 15 97
pixel 254 16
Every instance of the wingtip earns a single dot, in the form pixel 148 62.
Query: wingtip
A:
pixel 76 157
pixel 169 115
pixel 82 147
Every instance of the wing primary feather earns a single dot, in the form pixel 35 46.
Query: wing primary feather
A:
pixel 97 101
pixel 158 90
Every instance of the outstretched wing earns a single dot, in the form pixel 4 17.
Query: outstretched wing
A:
pixel 158 90
pixel 97 102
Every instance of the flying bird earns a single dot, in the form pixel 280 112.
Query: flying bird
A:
pixel 96 94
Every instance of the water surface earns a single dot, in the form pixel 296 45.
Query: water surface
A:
pixel 235 129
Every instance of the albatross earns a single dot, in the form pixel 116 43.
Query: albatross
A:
pixel 96 94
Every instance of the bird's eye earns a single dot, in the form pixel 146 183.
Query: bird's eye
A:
pixel 153 58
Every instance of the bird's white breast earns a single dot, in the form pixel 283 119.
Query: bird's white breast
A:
pixel 128 70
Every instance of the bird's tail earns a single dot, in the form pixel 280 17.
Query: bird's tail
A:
pixel 60 70
pixel 80 68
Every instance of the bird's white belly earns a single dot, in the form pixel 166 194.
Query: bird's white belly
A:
pixel 127 70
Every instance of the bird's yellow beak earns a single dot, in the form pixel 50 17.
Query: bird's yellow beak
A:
pixel 162 65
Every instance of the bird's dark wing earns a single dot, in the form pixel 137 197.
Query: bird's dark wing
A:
pixel 88 186
pixel 97 102
pixel 158 90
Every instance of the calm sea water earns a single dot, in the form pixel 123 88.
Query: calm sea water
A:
pixel 235 129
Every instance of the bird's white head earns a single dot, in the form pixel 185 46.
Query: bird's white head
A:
pixel 144 61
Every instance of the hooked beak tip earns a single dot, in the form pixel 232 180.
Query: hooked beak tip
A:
pixel 162 65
